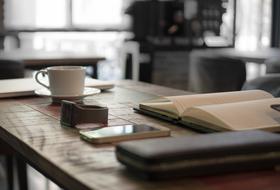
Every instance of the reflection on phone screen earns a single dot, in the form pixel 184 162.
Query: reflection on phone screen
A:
pixel 119 130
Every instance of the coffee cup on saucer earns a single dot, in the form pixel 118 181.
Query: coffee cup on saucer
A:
pixel 64 80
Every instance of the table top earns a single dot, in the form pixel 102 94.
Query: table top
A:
pixel 256 56
pixel 51 58
pixel 31 126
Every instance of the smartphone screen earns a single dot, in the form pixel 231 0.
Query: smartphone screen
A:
pixel 118 131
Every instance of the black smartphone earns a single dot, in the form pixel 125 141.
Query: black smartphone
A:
pixel 122 132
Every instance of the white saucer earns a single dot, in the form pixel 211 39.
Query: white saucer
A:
pixel 57 98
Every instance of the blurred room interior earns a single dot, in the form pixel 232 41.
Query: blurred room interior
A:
pixel 156 41
pixel 165 35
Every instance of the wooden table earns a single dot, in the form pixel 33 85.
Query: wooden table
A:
pixel 257 56
pixel 31 126
pixel 40 59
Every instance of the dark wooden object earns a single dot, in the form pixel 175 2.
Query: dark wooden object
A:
pixel 31 126
pixel 40 59
pixel 14 162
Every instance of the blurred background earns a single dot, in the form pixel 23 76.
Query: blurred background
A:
pixel 158 33
pixel 174 43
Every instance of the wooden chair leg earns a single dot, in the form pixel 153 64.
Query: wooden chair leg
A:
pixel 9 171
pixel 22 174
pixel 95 71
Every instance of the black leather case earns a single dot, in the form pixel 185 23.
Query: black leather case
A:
pixel 201 154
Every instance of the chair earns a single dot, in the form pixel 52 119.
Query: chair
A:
pixel 269 83
pixel 213 73
pixel 133 48
pixel 273 65
pixel 12 69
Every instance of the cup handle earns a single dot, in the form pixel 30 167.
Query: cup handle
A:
pixel 43 72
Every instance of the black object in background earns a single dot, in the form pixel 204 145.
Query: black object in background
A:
pixel 275 27
pixel 168 18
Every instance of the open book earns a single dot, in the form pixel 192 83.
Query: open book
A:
pixel 225 111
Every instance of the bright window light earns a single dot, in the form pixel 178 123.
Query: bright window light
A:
pixel 253 24
pixel 97 13
pixel 50 13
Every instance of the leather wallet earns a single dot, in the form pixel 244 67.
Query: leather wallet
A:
pixel 73 113
pixel 197 155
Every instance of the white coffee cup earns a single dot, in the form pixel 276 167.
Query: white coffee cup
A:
pixel 64 80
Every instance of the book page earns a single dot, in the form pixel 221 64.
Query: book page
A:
pixel 255 114
pixel 182 103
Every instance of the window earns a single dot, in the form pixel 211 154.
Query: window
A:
pixel 96 13
pixel 253 24
pixel 35 14
pixel 22 14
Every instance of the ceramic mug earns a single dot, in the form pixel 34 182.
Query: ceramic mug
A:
pixel 64 80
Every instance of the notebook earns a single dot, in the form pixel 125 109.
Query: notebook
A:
pixel 225 111
pixel 26 86
pixel 198 155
